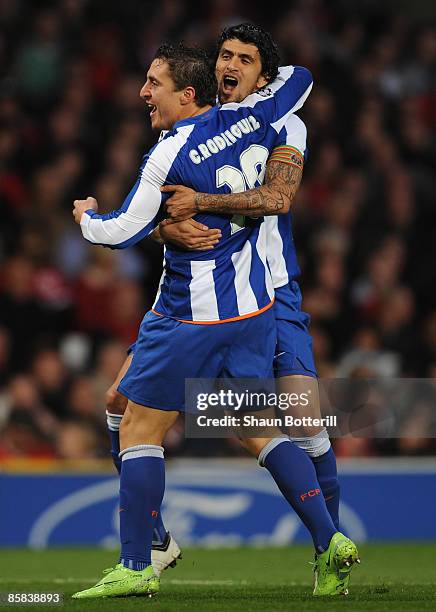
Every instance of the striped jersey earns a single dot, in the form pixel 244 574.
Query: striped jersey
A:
pixel 281 255
pixel 223 150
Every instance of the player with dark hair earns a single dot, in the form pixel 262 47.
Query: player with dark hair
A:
pixel 252 35
pixel 187 69
pixel 208 137
pixel 238 75
pixel 205 301
pixel 294 365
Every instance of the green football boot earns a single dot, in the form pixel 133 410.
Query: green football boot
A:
pixel 332 568
pixel 119 581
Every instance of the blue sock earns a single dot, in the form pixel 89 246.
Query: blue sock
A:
pixel 319 449
pixel 295 476
pixel 327 474
pixel 113 425
pixel 142 486
pixel 160 533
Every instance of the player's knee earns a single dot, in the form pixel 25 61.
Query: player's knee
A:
pixel 110 398
pixel 253 445
pixel 126 421
pixel 315 445
pixel 115 402
pixel 141 425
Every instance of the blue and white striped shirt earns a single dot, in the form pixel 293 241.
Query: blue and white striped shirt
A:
pixel 222 150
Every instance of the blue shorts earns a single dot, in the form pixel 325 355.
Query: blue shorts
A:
pixel 294 350
pixel 169 351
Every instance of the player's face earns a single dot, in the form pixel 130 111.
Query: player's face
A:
pixel 238 71
pixel 161 96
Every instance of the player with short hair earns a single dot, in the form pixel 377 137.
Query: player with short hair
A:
pixel 294 364
pixel 242 304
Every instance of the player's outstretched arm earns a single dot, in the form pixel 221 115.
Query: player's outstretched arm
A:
pixel 141 211
pixel 282 179
pixel 121 228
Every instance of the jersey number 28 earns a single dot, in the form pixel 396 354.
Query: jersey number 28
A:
pixel 252 162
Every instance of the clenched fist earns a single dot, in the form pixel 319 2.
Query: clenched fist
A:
pixel 80 206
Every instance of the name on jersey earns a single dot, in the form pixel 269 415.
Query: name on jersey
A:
pixel 218 143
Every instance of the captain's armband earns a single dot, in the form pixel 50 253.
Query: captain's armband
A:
pixel 287 155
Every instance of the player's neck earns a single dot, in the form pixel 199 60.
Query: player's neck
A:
pixel 193 111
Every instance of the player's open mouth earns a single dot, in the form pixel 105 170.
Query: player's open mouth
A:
pixel 229 83
pixel 152 109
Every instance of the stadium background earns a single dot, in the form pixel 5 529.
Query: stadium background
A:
pixel 72 125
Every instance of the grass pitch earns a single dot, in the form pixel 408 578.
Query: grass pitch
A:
pixel 391 577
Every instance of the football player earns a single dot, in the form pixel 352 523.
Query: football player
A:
pixel 230 287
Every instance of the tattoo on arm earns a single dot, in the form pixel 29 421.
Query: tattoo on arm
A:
pixel 282 180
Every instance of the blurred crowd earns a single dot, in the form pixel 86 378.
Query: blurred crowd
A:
pixel 72 125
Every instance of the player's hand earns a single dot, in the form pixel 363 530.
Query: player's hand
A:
pixel 181 205
pixel 190 235
pixel 80 206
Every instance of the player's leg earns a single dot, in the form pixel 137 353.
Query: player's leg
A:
pixel 167 353
pixel 294 473
pixel 294 360
pixel 295 372
pixel 295 476
pixel 165 549
pixel 142 485
pixel 142 480
pixel 313 440
pixel 152 409
pixel 115 406
pixel 291 467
